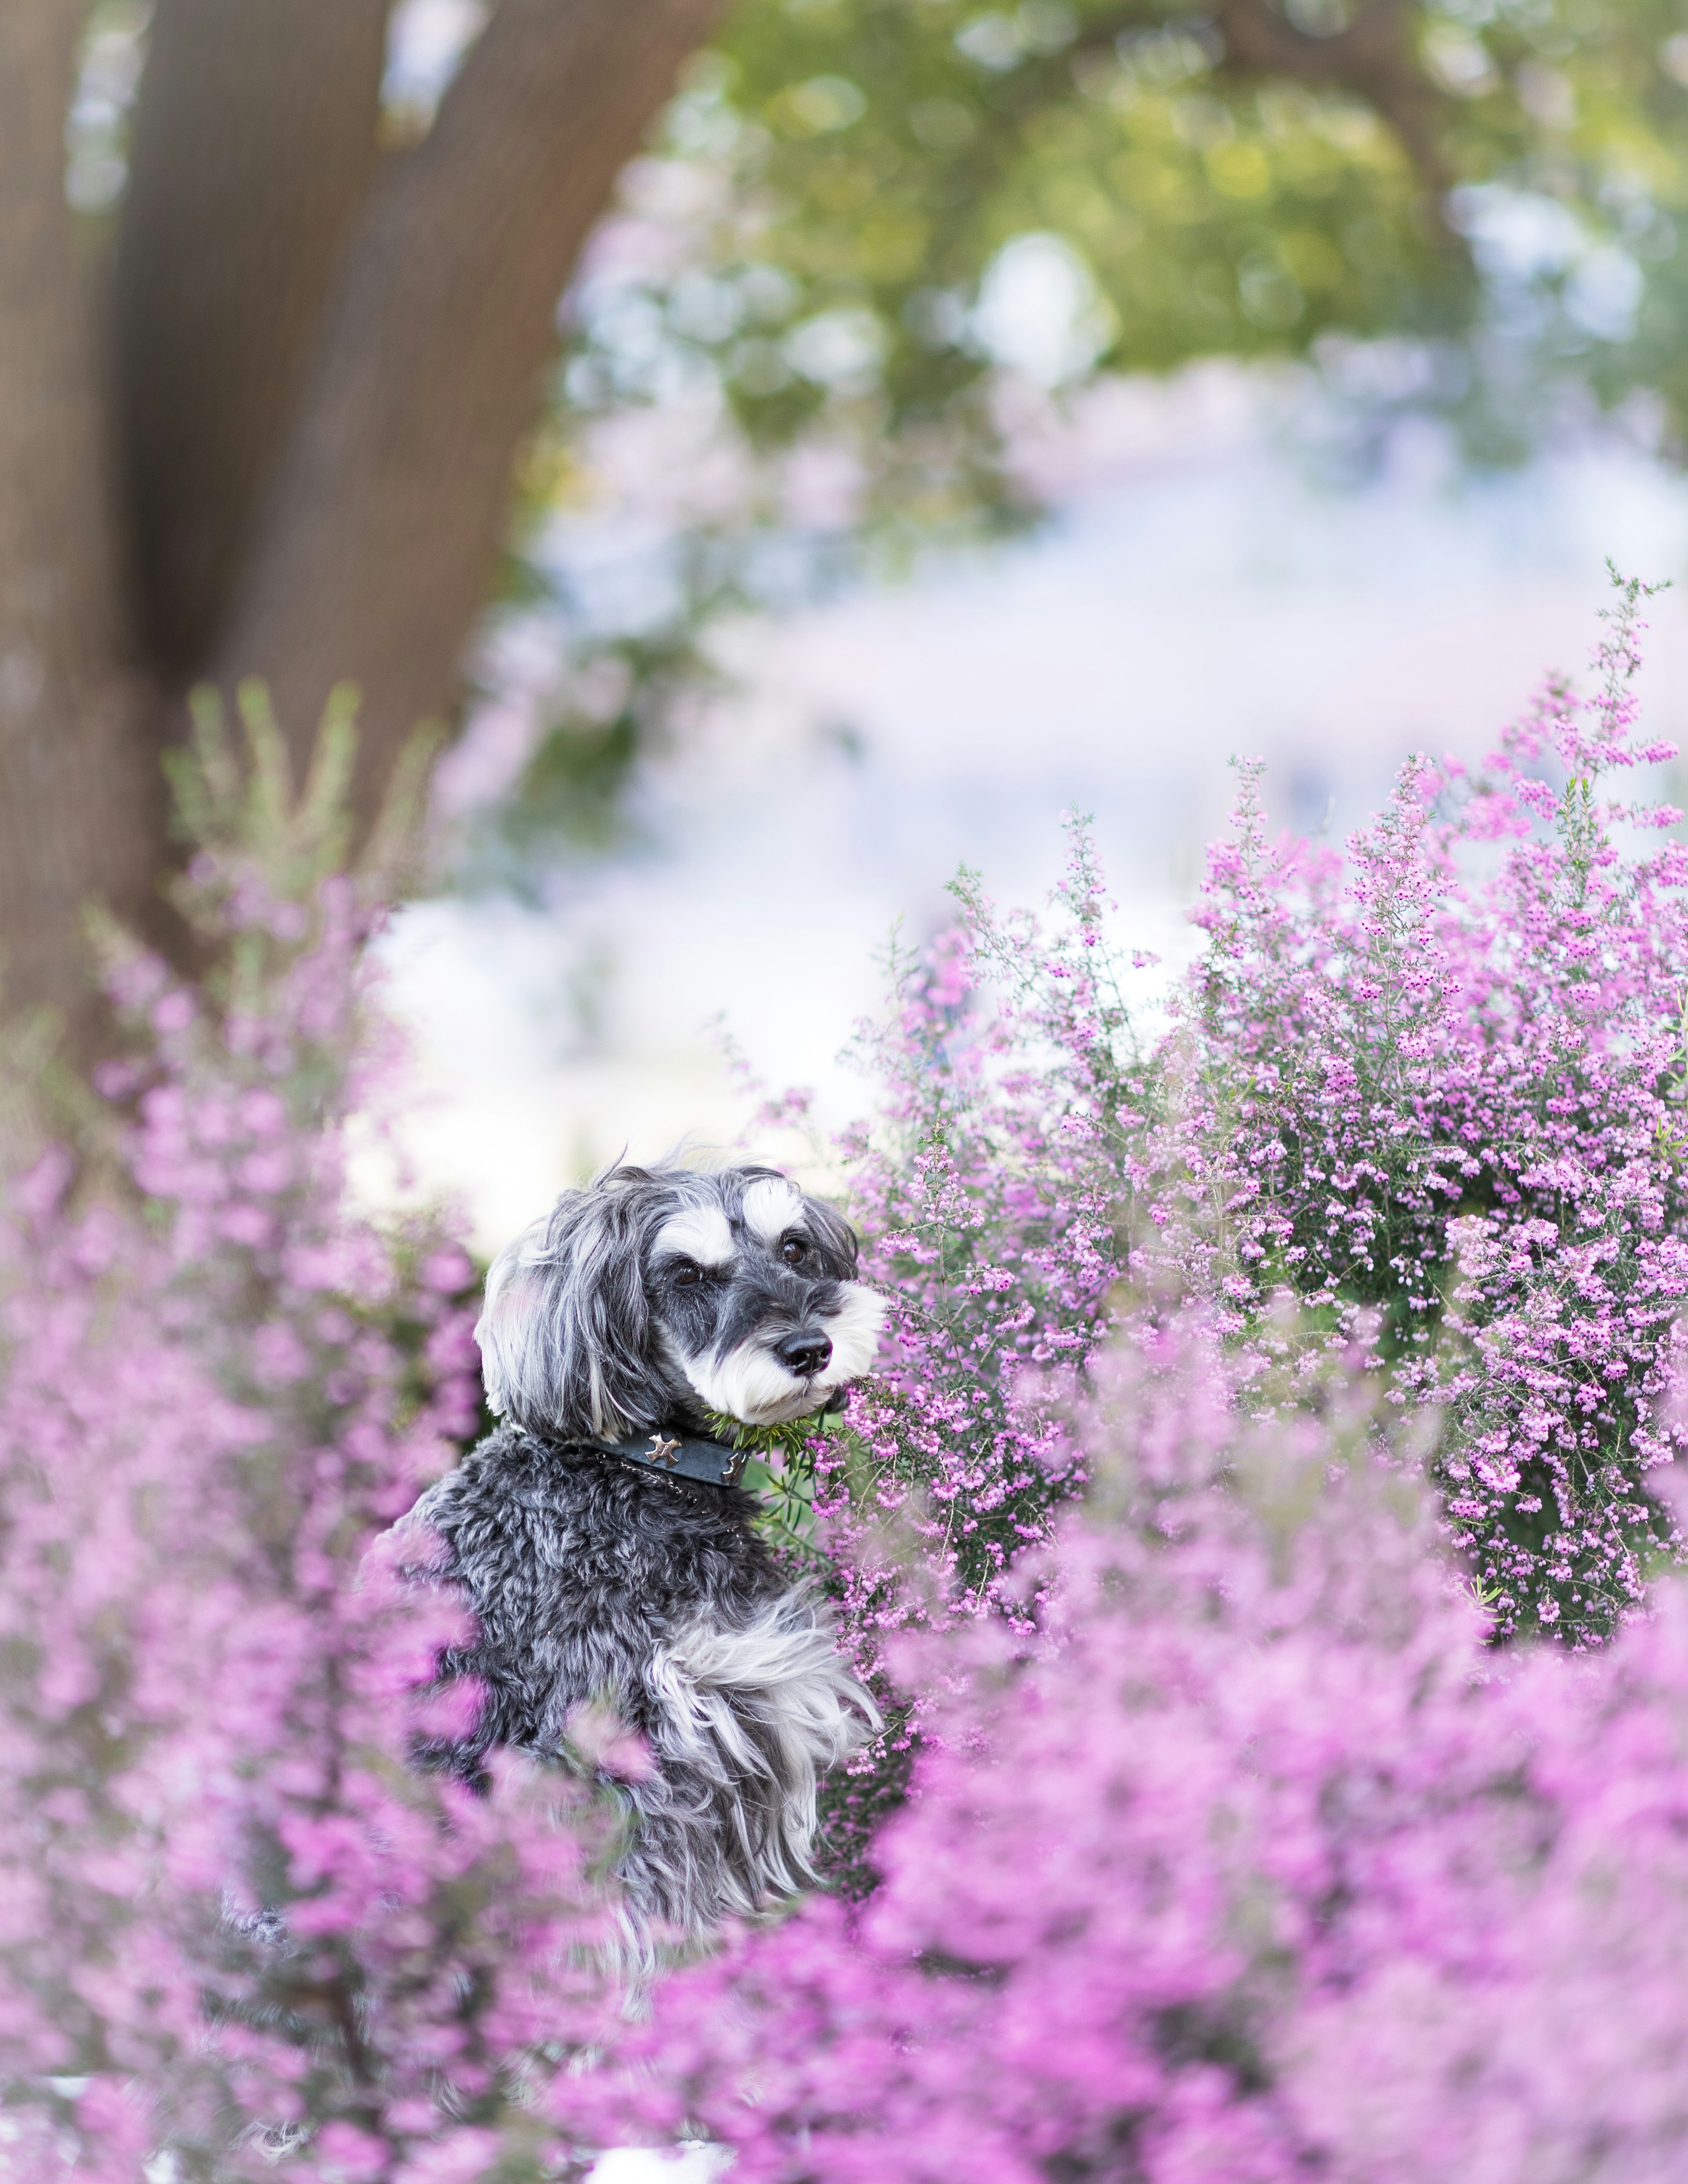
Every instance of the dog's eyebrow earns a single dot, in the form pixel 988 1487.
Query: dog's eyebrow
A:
pixel 701 1233
pixel 771 1207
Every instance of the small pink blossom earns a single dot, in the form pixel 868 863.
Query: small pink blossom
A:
pixel 608 1745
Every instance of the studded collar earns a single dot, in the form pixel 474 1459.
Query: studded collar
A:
pixel 679 1453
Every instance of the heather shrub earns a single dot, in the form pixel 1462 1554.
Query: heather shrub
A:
pixel 240 1935
pixel 1429 1092
pixel 1012 1102
pixel 1432 1089
pixel 987 1191
pixel 1248 1859
pixel 1437 1089
pixel 1245 1383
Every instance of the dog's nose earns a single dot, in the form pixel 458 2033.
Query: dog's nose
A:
pixel 805 1353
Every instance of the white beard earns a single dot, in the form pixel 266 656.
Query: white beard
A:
pixel 750 1385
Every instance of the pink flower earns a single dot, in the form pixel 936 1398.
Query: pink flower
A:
pixel 608 1745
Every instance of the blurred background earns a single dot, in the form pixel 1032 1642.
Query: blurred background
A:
pixel 793 448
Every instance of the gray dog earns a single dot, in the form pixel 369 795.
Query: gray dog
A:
pixel 602 1541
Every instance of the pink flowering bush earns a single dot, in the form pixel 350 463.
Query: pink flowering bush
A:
pixel 1435 1090
pixel 240 1935
pixel 1243 1386
pixel 989 1192
pixel 1251 1861
pixel 1012 1100
pixel 1443 1084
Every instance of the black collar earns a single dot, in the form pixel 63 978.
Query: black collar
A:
pixel 680 1454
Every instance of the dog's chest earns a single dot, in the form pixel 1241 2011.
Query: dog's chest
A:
pixel 581 1572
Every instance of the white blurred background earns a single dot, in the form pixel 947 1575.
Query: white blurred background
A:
pixel 1198 593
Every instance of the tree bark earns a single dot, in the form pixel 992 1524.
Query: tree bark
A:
pixel 254 147
pixel 79 805
pixel 1375 58
pixel 378 543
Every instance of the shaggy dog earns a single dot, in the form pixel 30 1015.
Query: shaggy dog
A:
pixel 602 1540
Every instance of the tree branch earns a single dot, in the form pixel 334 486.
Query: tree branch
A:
pixel 1374 57
pixel 254 147
pixel 378 543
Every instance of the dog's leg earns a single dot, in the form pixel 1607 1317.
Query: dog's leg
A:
pixel 748 1718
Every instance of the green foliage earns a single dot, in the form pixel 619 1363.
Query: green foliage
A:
pixel 234 793
pixel 781 1475
pixel 1465 207
pixel 885 154
pixel 882 154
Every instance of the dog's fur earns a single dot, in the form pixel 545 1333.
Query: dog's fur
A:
pixel 649 1299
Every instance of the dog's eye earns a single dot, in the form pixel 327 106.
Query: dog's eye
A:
pixel 687 1276
pixel 794 1251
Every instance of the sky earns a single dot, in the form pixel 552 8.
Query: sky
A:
pixel 1198 593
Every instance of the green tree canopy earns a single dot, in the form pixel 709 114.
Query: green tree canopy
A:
pixel 1470 208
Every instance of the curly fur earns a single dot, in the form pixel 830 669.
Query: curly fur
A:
pixel 640 1302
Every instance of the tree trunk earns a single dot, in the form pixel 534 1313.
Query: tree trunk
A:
pixel 377 543
pixel 80 805
pixel 253 149
pixel 322 362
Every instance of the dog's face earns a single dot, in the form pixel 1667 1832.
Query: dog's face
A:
pixel 661 1293
pixel 753 1300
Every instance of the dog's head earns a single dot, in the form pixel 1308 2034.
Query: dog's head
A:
pixel 667 1292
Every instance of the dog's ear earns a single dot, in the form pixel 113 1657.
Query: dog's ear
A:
pixel 565 1333
pixel 833 1232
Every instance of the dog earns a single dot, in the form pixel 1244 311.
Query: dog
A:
pixel 604 1547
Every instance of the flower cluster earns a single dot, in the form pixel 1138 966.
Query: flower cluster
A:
pixel 1444 1086
pixel 1431 1093
pixel 1216 1840
pixel 1435 1091
pixel 988 1191
pixel 1252 1861
pixel 1013 1107
pixel 241 1935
